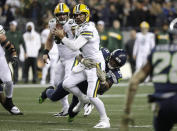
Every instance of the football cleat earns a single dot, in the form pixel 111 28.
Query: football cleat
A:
pixel 103 124
pixel 43 95
pixel 15 111
pixel 88 109
pixel 61 114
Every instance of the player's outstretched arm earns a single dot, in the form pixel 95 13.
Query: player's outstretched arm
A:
pixel 74 44
pixel 136 79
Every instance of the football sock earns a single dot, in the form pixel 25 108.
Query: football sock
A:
pixel 8 89
pixel 99 106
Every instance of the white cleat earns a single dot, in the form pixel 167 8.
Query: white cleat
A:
pixel 78 107
pixel 103 124
pixel 88 109
pixel 15 111
pixel 63 113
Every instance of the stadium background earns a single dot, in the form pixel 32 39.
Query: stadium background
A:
pixel 130 13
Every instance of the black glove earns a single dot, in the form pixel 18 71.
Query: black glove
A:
pixel 15 62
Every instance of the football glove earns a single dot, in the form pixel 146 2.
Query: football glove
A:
pixel 15 62
pixel 88 63
pixel 101 74
pixel 125 120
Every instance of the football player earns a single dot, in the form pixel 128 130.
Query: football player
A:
pixel 162 64
pixel 113 62
pixel 88 41
pixel 5 74
pixel 67 55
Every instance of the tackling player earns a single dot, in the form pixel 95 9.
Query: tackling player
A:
pixel 113 62
pixel 5 74
pixel 162 63
pixel 67 56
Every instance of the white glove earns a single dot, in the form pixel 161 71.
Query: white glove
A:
pixel 88 63
pixel 101 74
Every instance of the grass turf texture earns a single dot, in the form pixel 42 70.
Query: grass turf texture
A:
pixel 39 117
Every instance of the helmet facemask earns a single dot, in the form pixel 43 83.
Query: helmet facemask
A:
pixel 62 18
pixel 61 13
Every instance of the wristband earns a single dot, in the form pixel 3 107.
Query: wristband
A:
pixel 46 52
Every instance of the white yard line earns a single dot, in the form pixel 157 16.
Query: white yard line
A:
pixel 43 86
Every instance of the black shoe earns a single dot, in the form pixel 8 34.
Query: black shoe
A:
pixel 9 106
pixel 43 95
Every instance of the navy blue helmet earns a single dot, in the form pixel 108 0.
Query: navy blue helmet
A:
pixel 120 56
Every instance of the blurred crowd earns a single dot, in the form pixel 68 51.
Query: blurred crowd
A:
pixel 112 17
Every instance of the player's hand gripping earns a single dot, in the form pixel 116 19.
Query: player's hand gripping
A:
pixel 88 63
pixel 125 120
pixel 101 74
pixel 59 33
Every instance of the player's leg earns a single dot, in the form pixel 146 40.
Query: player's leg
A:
pixel 70 83
pixel 44 73
pixel 83 87
pixel 53 64
pixel 65 104
pixel 5 76
pixel 2 97
pixel 93 84
pixel 72 114
pixel 59 73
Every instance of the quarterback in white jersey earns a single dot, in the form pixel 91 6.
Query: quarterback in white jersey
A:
pixel 5 74
pixel 87 40
pixel 144 43
pixel 66 55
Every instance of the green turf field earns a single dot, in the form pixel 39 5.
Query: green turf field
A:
pixel 38 117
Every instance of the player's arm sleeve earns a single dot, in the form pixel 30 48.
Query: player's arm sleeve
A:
pixel 75 44
pixel 104 87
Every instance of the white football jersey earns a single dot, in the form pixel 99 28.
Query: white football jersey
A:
pixel 64 52
pixel 91 49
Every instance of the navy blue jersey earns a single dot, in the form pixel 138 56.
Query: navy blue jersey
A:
pixel 163 60
pixel 113 75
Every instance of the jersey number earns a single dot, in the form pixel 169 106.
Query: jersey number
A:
pixel 166 60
